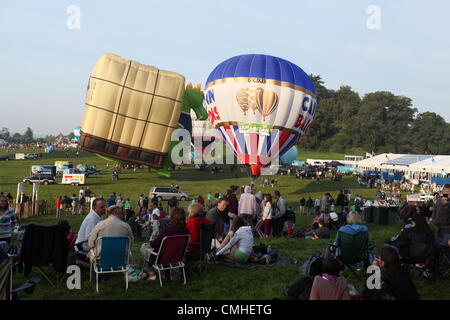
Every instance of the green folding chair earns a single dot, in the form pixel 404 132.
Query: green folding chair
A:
pixel 353 250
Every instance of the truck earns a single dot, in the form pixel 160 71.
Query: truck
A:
pixel 38 169
pixel 73 179
pixel 87 169
pixel 61 165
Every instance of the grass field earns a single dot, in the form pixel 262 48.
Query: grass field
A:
pixel 220 282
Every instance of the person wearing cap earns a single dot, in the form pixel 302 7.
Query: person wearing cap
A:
pixel 112 226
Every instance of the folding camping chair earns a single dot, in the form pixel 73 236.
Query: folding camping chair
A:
pixel 420 255
pixel 444 253
pixel 114 257
pixel 37 251
pixel 353 250
pixel 171 255
pixel 206 239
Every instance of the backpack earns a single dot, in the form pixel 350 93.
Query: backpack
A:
pixel 305 268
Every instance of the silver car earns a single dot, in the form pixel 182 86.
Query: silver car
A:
pixel 167 193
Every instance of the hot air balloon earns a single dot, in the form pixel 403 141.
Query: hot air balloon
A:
pixel 289 156
pixel 132 109
pixel 202 135
pixel 261 105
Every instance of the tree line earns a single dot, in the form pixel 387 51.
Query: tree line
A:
pixel 378 122
pixel 28 137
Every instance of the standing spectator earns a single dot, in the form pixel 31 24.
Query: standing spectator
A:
pixel 128 207
pixel 233 203
pixel 173 203
pixel 111 201
pixel 317 206
pixel 59 206
pixel 302 203
pixel 87 194
pixel 309 205
pixel 266 217
pixel 324 203
pixel 119 201
pixel 247 205
pixel 209 198
pixel 341 202
pixel 74 204
pixel 81 193
pixel 278 214
pixel 8 220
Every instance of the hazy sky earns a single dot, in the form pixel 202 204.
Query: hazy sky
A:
pixel 45 65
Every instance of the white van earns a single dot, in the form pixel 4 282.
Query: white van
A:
pixel 74 179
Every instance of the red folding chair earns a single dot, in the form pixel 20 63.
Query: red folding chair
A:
pixel 171 255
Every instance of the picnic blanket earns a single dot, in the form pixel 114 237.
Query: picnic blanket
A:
pixel 281 261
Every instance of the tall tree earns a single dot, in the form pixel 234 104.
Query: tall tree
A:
pixel 28 134
pixel 430 133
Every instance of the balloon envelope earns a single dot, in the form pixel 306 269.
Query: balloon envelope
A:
pixel 131 110
pixel 261 105
pixel 289 156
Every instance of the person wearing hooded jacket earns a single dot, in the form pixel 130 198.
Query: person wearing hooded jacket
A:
pixel 247 205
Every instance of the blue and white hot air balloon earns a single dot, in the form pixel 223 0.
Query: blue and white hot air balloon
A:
pixel 289 156
pixel 261 105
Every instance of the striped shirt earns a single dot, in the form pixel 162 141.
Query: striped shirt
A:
pixel 7 223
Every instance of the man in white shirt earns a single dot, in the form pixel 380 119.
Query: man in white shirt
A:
pixel 88 224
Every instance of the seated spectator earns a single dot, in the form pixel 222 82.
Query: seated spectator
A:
pixel 301 290
pixel 417 231
pixel 135 227
pixel 195 218
pixel 71 236
pixel 323 232
pixel 8 220
pixel 354 226
pixel 218 216
pixel 234 227
pixel 240 246
pixel 88 224
pixel 176 226
pixel 330 285
pixel 112 226
pixel 326 218
pixel 396 283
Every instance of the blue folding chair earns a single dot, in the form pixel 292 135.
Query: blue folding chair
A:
pixel 114 257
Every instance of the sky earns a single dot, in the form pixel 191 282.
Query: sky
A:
pixel 402 47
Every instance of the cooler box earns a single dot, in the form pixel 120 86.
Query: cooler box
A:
pixel 393 218
pixel 367 214
pixel 381 215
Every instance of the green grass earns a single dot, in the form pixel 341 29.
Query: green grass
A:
pixel 219 282
pixel 309 154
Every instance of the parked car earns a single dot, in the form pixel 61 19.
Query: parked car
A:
pixel 166 193
pixel 283 170
pixel 40 178
pixel 4 157
pixel 31 156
